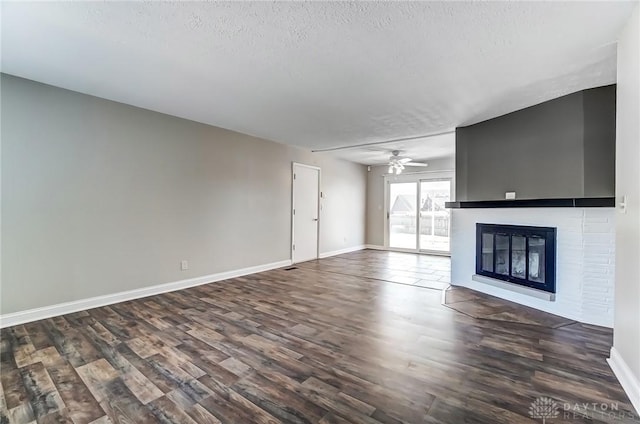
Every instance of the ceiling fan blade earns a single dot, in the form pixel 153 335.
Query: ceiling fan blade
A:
pixel 404 160
pixel 415 164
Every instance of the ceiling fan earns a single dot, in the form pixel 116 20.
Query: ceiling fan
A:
pixel 397 163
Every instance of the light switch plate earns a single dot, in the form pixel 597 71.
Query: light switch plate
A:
pixel 623 204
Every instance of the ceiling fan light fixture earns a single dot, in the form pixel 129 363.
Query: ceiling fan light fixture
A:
pixel 397 163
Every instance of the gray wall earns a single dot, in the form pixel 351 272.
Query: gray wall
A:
pixel 100 197
pixel 375 196
pixel 561 148
pixel 599 141
pixel 626 330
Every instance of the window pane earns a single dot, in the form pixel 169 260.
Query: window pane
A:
pixel 487 252
pixel 434 217
pixel 536 259
pixel 518 254
pixel 402 215
pixel 502 254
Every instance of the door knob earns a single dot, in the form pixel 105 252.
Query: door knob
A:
pixel 315 219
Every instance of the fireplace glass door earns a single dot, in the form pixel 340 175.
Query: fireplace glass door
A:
pixel 518 254
pixel 487 252
pixel 536 258
pixel 502 254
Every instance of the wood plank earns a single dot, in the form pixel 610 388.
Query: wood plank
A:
pixel 123 407
pixel 225 404
pixel 168 412
pixel 82 407
pixel 43 394
pixel 201 415
pixel 22 413
pixel 15 392
pixel 96 377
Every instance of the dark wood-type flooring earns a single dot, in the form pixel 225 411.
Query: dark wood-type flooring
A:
pixel 349 339
pixel 483 306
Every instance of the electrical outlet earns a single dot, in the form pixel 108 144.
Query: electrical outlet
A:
pixel 510 195
pixel 184 265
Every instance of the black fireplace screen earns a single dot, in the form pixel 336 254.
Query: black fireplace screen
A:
pixel 517 254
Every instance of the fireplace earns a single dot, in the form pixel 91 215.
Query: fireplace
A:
pixel 517 254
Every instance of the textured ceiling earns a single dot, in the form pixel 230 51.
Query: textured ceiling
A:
pixel 318 74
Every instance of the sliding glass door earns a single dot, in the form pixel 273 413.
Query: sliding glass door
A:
pixel 403 215
pixel 434 217
pixel 417 219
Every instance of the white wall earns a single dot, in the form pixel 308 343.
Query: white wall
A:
pixel 375 195
pixel 627 303
pixel 584 265
pixel 100 197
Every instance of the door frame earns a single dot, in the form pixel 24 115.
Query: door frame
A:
pixel 415 177
pixel 293 202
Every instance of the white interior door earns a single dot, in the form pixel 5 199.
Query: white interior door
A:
pixel 306 212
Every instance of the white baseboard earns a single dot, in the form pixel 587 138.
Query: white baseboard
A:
pixel 341 251
pixel 36 314
pixel 628 381
pixel 374 247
